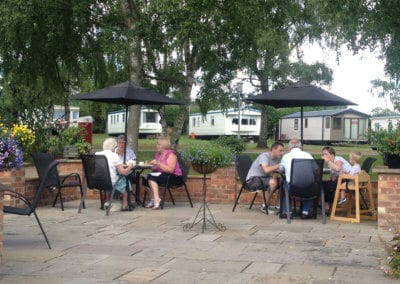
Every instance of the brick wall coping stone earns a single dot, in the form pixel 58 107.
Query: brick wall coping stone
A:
pixel 386 170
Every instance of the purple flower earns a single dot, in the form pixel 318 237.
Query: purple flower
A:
pixel 11 155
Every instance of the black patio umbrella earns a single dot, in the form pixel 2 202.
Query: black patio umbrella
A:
pixel 300 95
pixel 127 94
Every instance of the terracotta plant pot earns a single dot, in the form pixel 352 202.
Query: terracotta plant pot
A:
pixel 203 169
pixel 392 160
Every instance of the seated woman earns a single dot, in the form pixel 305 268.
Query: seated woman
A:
pixel 118 171
pixel 165 169
pixel 337 165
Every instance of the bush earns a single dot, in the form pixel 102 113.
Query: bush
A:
pixel 235 144
pixel 386 141
pixel 208 153
pixel 71 136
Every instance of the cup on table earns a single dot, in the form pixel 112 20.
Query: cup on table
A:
pixel 141 163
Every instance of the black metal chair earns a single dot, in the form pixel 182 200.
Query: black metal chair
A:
pixel 97 176
pixel 306 184
pixel 243 165
pixel 30 206
pixel 167 187
pixel 54 181
pixel 367 164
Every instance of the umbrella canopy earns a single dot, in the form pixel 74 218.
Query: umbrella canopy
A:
pixel 127 93
pixel 299 95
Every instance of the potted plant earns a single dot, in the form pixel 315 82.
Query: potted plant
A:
pixel 387 143
pixel 205 157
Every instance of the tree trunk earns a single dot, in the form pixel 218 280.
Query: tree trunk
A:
pixel 186 90
pixel 135 73
pixel 263 139
pixel 67 110
pixel 163 122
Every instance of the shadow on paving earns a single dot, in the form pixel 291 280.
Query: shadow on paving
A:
pixel 150 245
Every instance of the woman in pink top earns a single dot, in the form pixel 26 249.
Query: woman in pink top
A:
pixel 165 169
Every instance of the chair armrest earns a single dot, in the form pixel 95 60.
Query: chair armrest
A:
pixel 347 176
pixel 17 195
pixel 76 175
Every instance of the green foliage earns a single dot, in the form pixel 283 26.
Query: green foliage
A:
pixel 235 144
pixel 83 148
pixel 54 145
pixel 71 136
pixel 208 153
pixel 389 89
pixel 386 141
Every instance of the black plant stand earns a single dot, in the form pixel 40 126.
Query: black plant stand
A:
pixel 204 210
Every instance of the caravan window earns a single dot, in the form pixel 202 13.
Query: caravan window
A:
pixel 296 124
pixel 117 116
pixel 198 121
pixel 252 121
pixel 328 122
pixel 150 117
pixel 194 122
pixel 235 121
pixel 75 114
pixel 306 123
pixel 123 118
pixel 212 121
pixel 245 121
pixel 377 126
pixel 337 123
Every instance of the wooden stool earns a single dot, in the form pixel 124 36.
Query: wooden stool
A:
pixel 360 182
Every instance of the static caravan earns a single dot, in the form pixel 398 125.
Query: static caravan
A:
pixel 149 123
pixel 333 126
pixel 59 114
pixel 218 123
pixel 383 122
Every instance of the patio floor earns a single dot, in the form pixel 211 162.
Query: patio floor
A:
pixel 150 245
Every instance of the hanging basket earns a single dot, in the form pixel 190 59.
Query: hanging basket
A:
pixel 203 169
pixel 392 160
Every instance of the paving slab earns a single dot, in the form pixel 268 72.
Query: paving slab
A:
pixel 151 246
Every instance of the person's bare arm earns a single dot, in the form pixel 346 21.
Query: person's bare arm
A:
pixel 336 166
pixel 124 170
pixel 269 169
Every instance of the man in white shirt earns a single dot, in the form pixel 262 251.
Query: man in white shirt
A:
pixel 295 152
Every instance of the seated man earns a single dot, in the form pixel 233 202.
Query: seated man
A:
pixel 295 152
pixel 260 173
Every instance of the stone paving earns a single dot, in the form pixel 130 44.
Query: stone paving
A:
pixel 150 245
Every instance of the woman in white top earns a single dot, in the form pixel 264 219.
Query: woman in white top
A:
pixel 116 168
pixel 338 165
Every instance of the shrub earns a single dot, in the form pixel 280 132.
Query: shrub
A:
pixel 71 136
pixel 386 141
pixel 83 148
pixel 208 153
pixel 235 144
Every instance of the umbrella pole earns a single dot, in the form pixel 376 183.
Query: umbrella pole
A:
pixel 126 131
pixel 301 127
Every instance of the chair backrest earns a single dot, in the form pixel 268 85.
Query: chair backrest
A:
pixel 243 165
pixel 42 162
pixel 46 178
pixel 97 173
pixel 306 177
pixel 367 164
pixel 184 167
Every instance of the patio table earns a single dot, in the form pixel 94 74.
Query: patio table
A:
pixel 135 175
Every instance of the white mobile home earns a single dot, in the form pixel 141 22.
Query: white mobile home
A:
pixel 383 122
pixel 341 125
pixel 149 122
pixel 59 114
pixel 217 123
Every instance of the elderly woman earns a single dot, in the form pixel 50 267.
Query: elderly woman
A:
pixel 165 169
pixel 118 171
pixel 337 165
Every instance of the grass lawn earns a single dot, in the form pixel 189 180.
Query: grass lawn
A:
pixel 147 149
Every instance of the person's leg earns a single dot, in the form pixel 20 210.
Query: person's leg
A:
pixel 124 200
pixel 286 187
pixel 154 189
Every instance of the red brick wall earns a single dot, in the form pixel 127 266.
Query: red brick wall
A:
pixel 389 201
pixel 1 227
pixel 14 178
